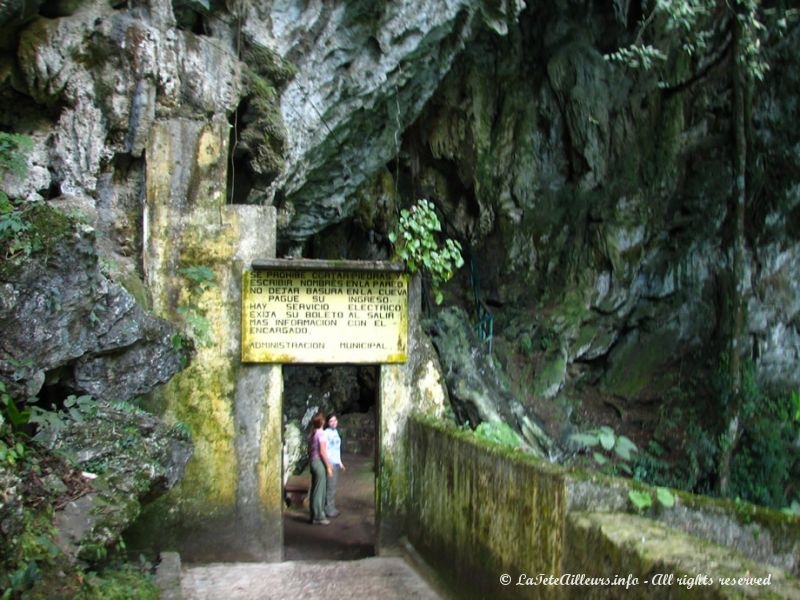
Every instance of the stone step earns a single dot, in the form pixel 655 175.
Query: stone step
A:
pixel 387 578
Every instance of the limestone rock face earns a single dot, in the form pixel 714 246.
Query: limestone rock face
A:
pixel 477 392
pixel 363 80
pixel 592 199
pixel 596 210
pixel 65 323
pixel 295 453
pixel 127 471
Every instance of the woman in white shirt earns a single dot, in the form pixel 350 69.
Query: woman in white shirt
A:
pixel 334 447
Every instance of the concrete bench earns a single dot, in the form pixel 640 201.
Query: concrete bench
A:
pixel 295 491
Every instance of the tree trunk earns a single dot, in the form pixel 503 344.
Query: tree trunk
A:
pixel 742 82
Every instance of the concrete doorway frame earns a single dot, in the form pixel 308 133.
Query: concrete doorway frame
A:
pixel 230 497
pixel 392 402
pixel 299 539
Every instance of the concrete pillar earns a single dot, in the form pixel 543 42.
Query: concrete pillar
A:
pixel 228 505
pixel 415 386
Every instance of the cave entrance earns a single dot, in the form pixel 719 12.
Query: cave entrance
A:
pixel 350 392
pixel 335 337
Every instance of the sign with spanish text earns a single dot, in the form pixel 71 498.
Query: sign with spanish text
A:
pixel 324 316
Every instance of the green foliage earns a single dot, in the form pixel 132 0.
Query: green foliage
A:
pixel 794 400
pixel 764 458
pixel 16 416
pixel 702 451
pixel 526 344
pixel 500 433
pixel 200 279
pixel 20 417
pixel 415 243
pixel 12 419
pixel 614 452
pixel 15 227
pixel 14 149
pixel 650 466
pixel 182 430
pixel 766 461
pixel 640 500
pixel 122 583
pixel 547 340
pixel 685 446
pixel 637 57
pixel 27 554
pixel 683 20
pixel 75 409
pixel 689 26
pixel 27 228
pixel 11 452
pixel 33 566
pixel 693 446
pixel 665 497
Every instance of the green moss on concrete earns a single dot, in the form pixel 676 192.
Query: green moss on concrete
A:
pixel 199 397
pixel 604 545
pixel 270 464
pixel 476 509
pixel 783 529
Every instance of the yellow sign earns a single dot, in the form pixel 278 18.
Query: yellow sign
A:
pixel 291 316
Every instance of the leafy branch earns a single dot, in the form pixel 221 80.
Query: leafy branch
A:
pixel 692 23
pixel 415 243
pixel 608 442
pixel 499 432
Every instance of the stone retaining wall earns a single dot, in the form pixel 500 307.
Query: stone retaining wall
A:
pixel 477 512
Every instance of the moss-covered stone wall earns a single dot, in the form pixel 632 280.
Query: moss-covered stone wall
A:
pixel 645 559
pixel 416 385
pixel 477 511
pixel 228 505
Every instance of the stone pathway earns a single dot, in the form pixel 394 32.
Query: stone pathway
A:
pixel 382 578
pixel 322 562
pixel 351 535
